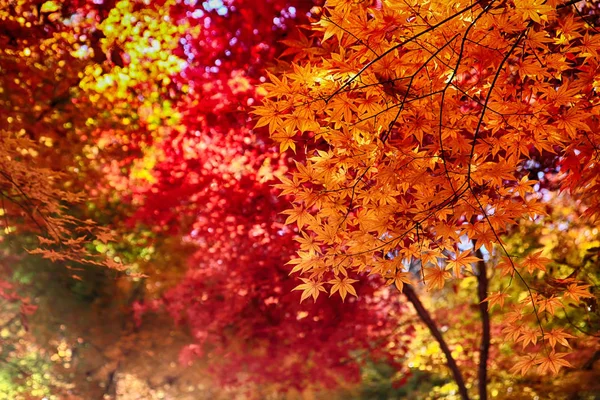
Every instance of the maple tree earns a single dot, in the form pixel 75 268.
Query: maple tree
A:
pixel 419 128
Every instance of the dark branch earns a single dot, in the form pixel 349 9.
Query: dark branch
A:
pixel 424 315
pixel 484 347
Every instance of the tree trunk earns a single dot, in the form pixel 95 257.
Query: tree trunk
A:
pixel 484 348
pixel 423 314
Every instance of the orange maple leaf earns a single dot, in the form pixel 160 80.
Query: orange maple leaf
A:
pixel 46 241
pixel 525 363
pixel 512 332
pixel 435 278
pixel 461 260
pixel 553 362
pixel 506 267
pixel 496 298
pixel 105 236
pixel 549 304
pixel 527 336
pixel 535 261
pixel 575 292
pixel 558 335
pixel 308 244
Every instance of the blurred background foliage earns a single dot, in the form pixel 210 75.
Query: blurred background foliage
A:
pixel 97 86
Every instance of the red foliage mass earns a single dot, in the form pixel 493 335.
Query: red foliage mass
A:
pixel 215 187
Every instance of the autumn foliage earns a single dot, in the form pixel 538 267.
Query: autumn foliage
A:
pixel 308 188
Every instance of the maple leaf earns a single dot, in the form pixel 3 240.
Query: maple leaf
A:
pixel 112 264
pixel 435 278
pixel 76 241
pixel 553 362
pixel 270 114
pixel 484 237
pixel 289 186
pixel 308 244
pixel 524 186
pixel 53 255
pixel 399 279
pixel 525 363
pixel 535 261
pixel 328 234
pixel 506 267
pixel 527 336
pixel 515 315
pixel 430 257
pixel 306 261
pixel 299 215
pixel 512 331
pixel 46 241
pixel 549 304
pixel 299 45
pixel 343 286
pixel 310 288
pixel 287 143
pixel 575 292
pixel 464 259
pixel 563 96
pixel 536 10
pixel 495 298
pixel 558 335
pixel 571 122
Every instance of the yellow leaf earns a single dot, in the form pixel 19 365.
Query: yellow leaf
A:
pixel 310 288
pixel 299 215
pixel 287 143
pixel 50 6
pixel 399 279
pixel 308 244
pixel 343 286
pixel 536 10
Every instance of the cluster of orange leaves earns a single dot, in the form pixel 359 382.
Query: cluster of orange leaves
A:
pixel 33 201
pixel 414 123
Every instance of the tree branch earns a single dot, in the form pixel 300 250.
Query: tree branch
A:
pixel 424 315
pixel 589 364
